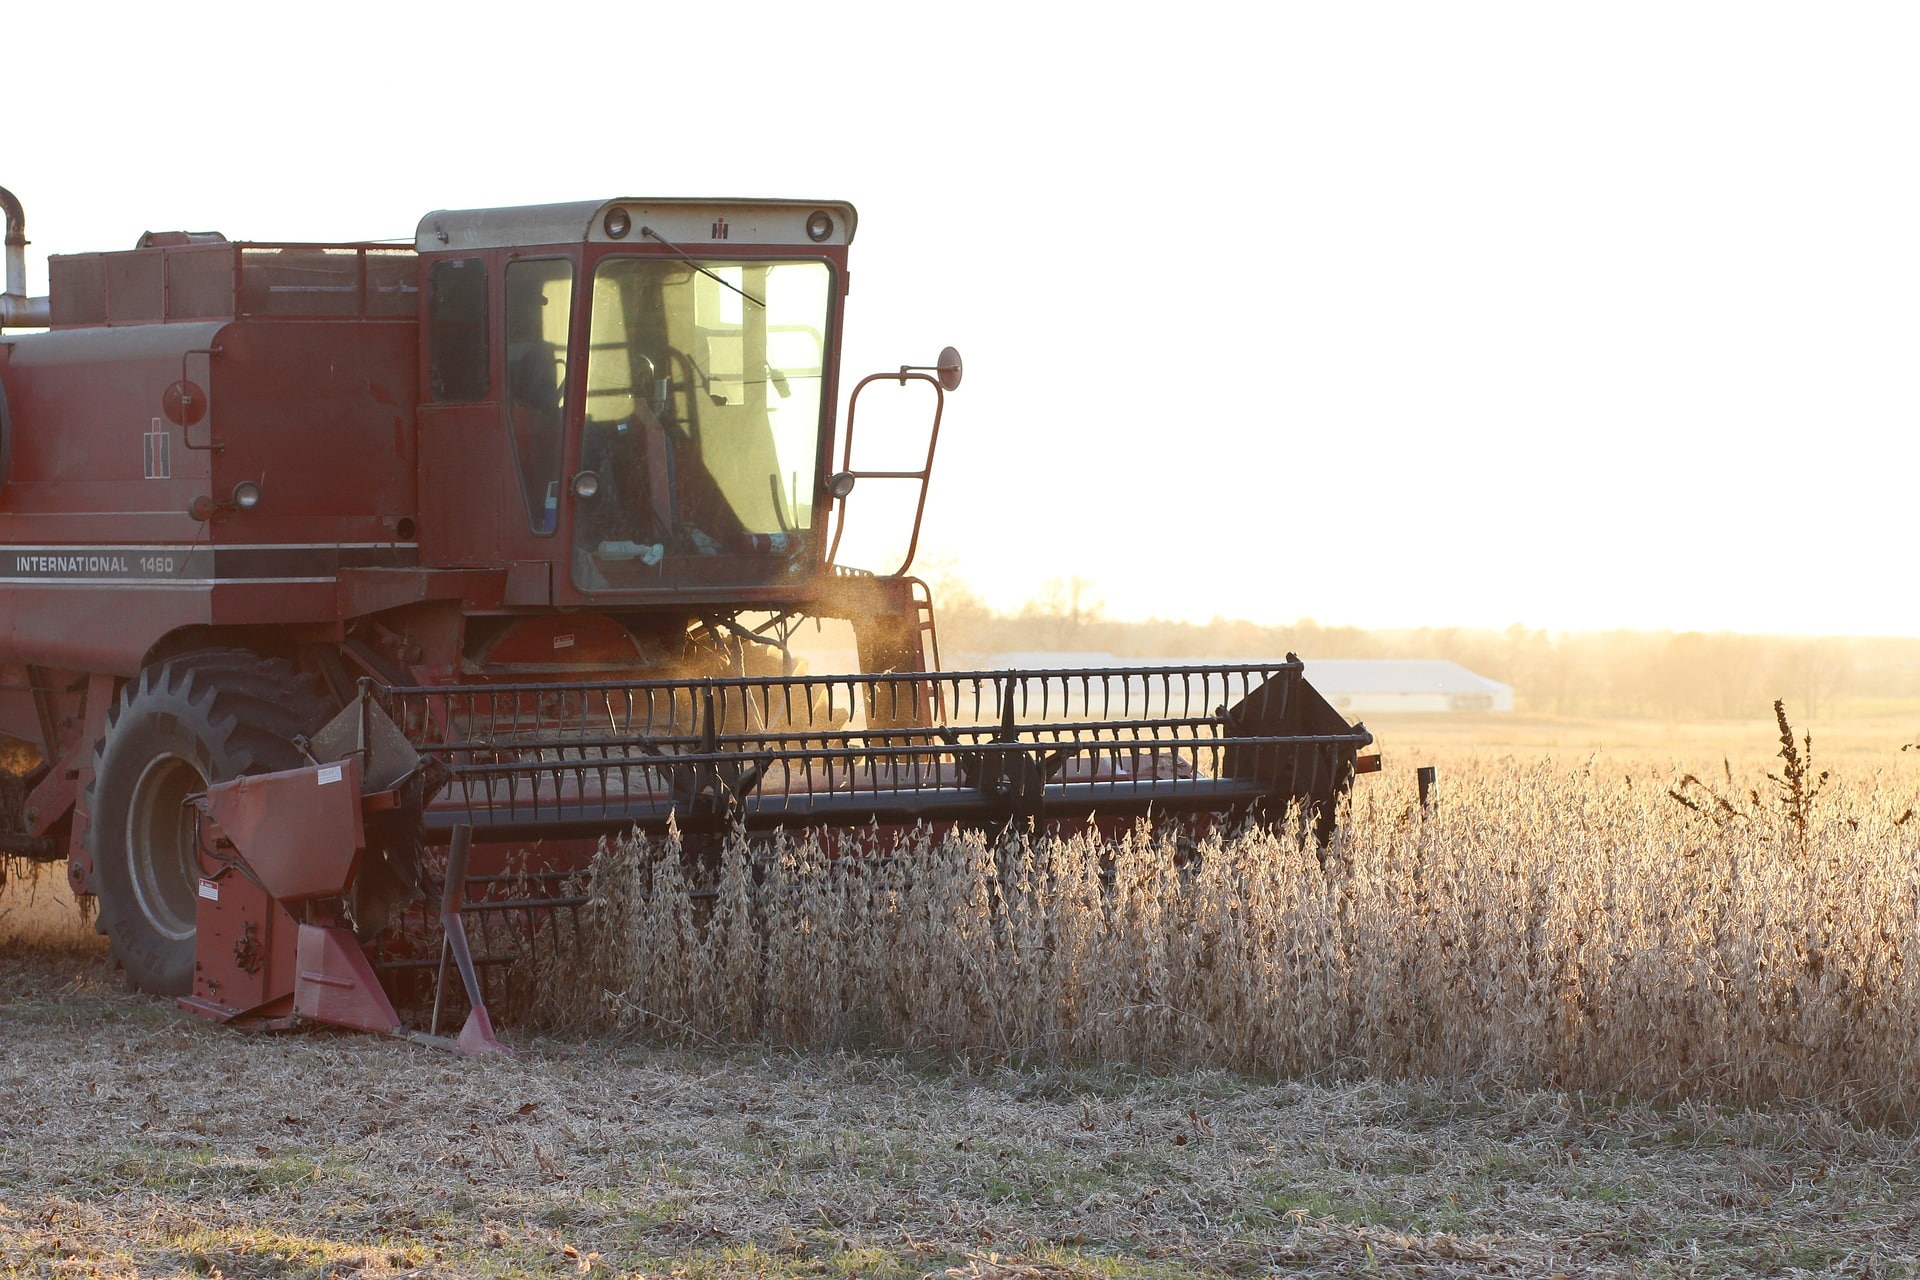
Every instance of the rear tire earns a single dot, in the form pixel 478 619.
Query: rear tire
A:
pixel 178 726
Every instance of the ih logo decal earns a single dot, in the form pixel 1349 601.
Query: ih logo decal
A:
pixel 720 228
pixel 159 449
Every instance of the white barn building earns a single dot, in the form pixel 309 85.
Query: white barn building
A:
pixel 1378 686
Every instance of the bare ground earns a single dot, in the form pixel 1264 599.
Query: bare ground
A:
pixel 138 1141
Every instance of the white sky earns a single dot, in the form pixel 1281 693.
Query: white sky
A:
pixel 1384 314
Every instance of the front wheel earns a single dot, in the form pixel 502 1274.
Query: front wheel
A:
pixel 177 727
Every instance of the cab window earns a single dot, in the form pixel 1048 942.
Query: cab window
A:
pixel 457 330
pixel 539 298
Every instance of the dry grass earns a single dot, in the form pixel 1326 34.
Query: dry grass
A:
pixel 137 1141
pixel 37 910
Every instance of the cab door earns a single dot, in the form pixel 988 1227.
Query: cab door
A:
pixel 493 431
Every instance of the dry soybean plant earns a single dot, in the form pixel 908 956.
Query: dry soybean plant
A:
pixel 1795 787
pixel 1542 925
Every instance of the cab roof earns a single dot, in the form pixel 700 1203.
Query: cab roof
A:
pixel 685 222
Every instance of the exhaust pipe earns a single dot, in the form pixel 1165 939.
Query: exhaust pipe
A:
pixel 16 308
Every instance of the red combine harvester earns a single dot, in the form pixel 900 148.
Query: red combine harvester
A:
pixel 353 592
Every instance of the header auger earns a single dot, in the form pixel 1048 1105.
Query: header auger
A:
pixel 354 591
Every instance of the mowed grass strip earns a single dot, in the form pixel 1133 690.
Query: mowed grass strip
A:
pixel 138 1141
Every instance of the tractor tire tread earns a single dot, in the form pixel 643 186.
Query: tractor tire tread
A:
pixel 237 713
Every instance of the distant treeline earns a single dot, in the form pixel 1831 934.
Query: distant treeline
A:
pixel 1605 673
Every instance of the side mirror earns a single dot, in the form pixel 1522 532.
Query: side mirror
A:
pixel 949 369
pixel 946 372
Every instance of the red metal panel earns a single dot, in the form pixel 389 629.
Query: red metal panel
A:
pixel 81 400
pixel 320 415
pixel 67 785
pixel 78 285
pixel 83 403
pixel 529 582
pixel 271 603
pixel 135 282
pixel 99 557
pixel 300 829
pixel 364 591
pixel 243 963
pixel 19 716
pixel 334 983
pixel 466 481
pixel 91 628
pixel 200 282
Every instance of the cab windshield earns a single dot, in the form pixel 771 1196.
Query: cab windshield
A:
pixel 703 415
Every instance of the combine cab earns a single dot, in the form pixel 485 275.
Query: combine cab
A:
pixel 355 591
